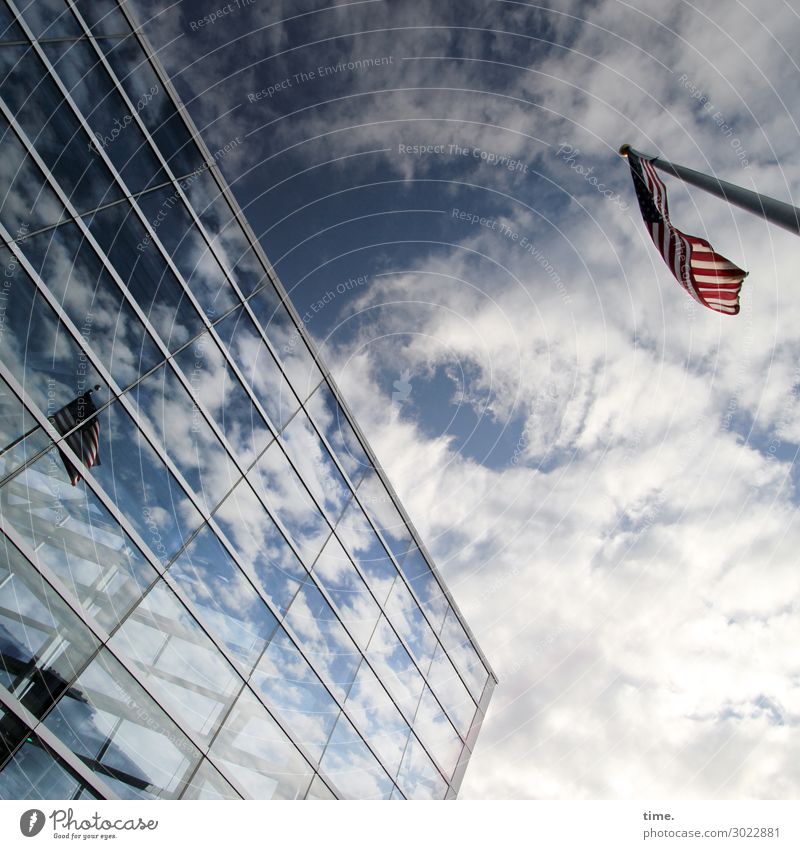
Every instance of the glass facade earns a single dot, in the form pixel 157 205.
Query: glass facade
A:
pixel 232 603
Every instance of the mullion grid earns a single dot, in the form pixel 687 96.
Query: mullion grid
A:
pixel 167 258
pixel 51 743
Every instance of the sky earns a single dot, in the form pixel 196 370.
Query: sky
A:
pixel 602 469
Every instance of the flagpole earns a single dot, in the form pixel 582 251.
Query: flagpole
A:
pixel 775 211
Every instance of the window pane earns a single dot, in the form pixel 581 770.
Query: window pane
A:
pixel 225 600
pixel 258 367
pixel 351 598
pixel 319 791
pixel 407 618
pixel 451 692
pixel 15 421
pixel 261 546
pixel 420 578
pixel 48 18
pixel 379 506
pixel 43 644
pixel 352 767
pixel 325 643
pixel 177 661
pixel 191 254
pixel 167 128
pixel 363 545
pixel 394 667
pixel 463 654
pixel 418 777
pixel 34 773
pixel 155 288
pixel 283 492
pixel 26 203
pixel 214 382
pixel 78 540
pixel 257 752
pixel 103 17
pixel 314 465
pixel 142 487
pixel 208 785
pixel 292 690
pixel 52 128
pixel 74 274
pixel 288 344
pixel 329 417
pixel 119 732
pixel 437 733
pixel 227 236
pixel 185 435
pixel 375 715
pixel 105 112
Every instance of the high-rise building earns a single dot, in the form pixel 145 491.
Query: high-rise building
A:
pixel 230 601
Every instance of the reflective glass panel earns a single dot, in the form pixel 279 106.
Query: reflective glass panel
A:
pixel 144 271
pixel 463 654
pixel 216 385
pixel 418 777
pixel 283 492
pixel 428 590
pixel 395 668
pixel 380 507
pixel 118 731
pixel 351 598
pixel 255 750
pixel 26 202
pixel 287 342
pixel 351 766
pixel 102 17
pixel 329 417
pixel 78 540
pixel 208 785
pixel 54 131
pixel 225 600
pixel 451 692
pixel 295 694
pixel 48 18
pixel 265 555
pixel 313 463
pixel 43 644
pixel 325 643
pixel 407 618
pixel 74 274
pixel 436 731
pixel 15 421
pixel 177 661
pixel 362 543
pixel 107 115
pixel 35 773
pixel 319 791
pixel 377 718
pixel 162 401
pixel 258 367
pixel 191 254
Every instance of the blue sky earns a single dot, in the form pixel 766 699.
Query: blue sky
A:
pixel 603 470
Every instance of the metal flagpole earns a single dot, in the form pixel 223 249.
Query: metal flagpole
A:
pixel 775 211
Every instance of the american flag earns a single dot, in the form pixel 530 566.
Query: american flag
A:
pixel 85 441
pixel 708 277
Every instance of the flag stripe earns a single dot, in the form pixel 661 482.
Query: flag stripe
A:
pixel 708 277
